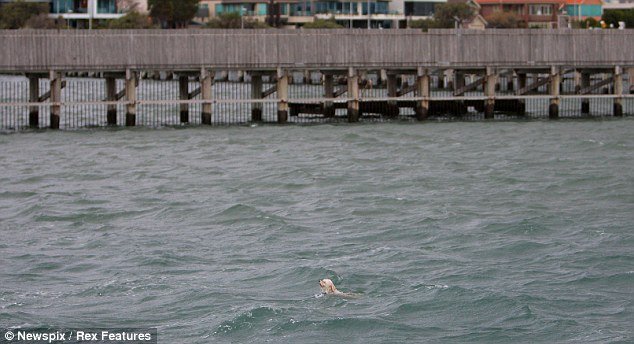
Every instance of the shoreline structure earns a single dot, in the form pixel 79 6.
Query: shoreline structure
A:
pixel 157 77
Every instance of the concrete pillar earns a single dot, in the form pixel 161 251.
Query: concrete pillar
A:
pixel 282 94
pixel 458 80
pixel 553 109
pixel 618 92
pixel 422 88
pixel 440 82
pixel 510 82
pixel 183 91
pixel 577 81
pixel 353 94
pixel 392 89
pixel 34 97
pixel 521 80
pixel 111 96
pixel 256 93
pixel 489 92
pixel 130 96
pixel 56 98
pixel 382 77
pixel 306 77
pixel 206 83
pixel 585 102
pixel 449 76
pixel 329 92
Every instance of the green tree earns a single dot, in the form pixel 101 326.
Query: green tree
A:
pixel 14 15
pixel 615 16
pixel 43 21
pixel 173 13
pixel 448 13
pixel 424 24
pixel 323 24
pixel 504 20
pixel 233 20
pixel 132 20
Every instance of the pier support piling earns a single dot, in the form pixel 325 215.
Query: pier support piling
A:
pixel 440 81
pixel 329 93
pixel 392 90
pixel 34 96
pixel 422 87
pixel 256 93
pixel 183 91
pixel 618 92
pixel 282 94
pixel 56 98
pixel 510 82
pixel 111 95
pixel 585 83
pixel 489 92
pixel 206 83
pixel 130 96
pixel 555 81
pixel 353 95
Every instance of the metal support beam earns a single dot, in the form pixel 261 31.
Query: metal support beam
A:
pixel 341 91
pixel 470 87
pixel 538 83
pixel 270 91
pixel 602 83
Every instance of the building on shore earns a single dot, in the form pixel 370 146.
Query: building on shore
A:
pixel 88 13
pixel 583 9
pixel 618 4
pixel 534 13
pixel 296 13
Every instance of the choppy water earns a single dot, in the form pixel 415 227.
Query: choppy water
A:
pixel 451 232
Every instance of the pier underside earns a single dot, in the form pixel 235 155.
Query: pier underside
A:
pixel 220 97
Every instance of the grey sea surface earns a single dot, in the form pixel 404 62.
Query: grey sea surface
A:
pixel 479 232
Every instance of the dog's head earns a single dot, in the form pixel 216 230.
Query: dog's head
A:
pixel 327 286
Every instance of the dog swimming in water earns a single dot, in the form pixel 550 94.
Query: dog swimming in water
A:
pixel 328 288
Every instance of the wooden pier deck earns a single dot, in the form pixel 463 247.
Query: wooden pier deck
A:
pixel 239 76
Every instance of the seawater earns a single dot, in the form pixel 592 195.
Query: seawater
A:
pixel 484 232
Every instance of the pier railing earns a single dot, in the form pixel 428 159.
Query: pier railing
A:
pixel 107 50
pixel 69 79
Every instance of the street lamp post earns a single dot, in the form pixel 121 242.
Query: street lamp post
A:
pixel 91 8
pixel 243 10
pixel 368 2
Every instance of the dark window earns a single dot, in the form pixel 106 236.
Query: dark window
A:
pixel 419 8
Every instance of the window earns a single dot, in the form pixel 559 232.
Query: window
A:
pixel 422 9
pixel 540 10
pixel 106 6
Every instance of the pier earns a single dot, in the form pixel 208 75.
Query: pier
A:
pixel 70 79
